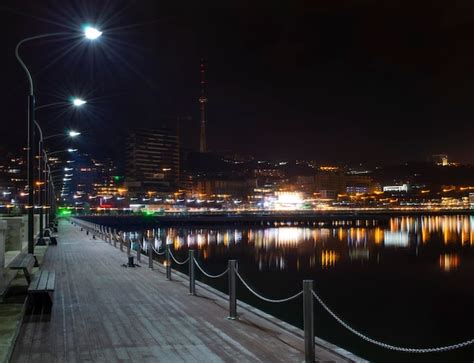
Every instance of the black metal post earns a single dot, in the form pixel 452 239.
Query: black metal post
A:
pixel 168 262
pixel 232 292
pixel 192 281
pixel 46 191
pixel 31 173
pixel 139 248
pixel 40 241
pixel 308 321
pixel 150 255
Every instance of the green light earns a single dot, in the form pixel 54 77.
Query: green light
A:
pixel 64 212
pixel 148 213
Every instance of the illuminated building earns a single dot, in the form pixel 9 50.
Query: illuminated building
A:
pixel 360 184
pixel 152 161
pixel 329 183
pixel 12 179
pixel 440 159
pixel 239 188
pixel 396 188
pixel 89 181
pixel 287 201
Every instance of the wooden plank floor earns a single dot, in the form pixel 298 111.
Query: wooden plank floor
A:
pixel 104 312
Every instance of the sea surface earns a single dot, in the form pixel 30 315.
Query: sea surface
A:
pixel 408 282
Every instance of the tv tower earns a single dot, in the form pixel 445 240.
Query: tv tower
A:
pixel 202 107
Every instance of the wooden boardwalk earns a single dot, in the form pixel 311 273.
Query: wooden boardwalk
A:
pixel 104 312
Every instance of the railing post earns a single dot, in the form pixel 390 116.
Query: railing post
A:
pixel 232 293
pixel 308 321
pixel 139 249
pixel 121 242
pixel 129 242
pixel 115 237
pixel 192 282
pixel 150 255
pixel 168 262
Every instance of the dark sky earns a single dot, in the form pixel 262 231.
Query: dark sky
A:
pixel 377 81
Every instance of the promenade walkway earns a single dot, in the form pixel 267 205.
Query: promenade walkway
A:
pixel 105 312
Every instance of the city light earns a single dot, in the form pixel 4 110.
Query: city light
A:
pixel 74 133
pixel 92 33
pixel 71 150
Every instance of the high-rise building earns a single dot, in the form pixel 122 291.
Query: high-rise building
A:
pixel 152 161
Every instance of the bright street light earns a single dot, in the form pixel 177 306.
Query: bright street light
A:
pixel 74 133
pixel 71 150
pixel 78 102
pixel 92 33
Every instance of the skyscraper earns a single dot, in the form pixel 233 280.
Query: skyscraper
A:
pixel 152 161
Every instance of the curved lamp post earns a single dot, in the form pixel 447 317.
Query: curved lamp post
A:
pixel 89 33
pixel 44 179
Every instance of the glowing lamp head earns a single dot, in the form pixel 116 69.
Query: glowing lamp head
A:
pixel 92 33
pixel 74 133
pixel 78 102
pixel 71 150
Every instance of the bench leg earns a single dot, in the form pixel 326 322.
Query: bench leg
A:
pixel 39 303
pixel 27 275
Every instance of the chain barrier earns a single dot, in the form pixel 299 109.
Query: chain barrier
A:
pixel 209 275
pixel 388 346
pixel 157 251
pixel 263 297
pixel 175 260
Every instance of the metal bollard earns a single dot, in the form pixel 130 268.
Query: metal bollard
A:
pixel 150 255
pixel 192 281
pixel 121 242
pixel 115 237
pixel 129 242
pixel 232 292
pixel 308 321
pixel 139 250
pixel 168 262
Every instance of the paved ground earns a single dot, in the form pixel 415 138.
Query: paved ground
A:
pixel 105 312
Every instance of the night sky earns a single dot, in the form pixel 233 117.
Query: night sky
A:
pixel 340 81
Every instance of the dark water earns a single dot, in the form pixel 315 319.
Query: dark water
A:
pixel 407 284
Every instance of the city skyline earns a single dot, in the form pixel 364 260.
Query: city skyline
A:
pixel 349 83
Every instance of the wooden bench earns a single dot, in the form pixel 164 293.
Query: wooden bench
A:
pixel 25 262
pixel 41 289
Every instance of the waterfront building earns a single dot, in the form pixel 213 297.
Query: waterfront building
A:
pixel 396 188
pixel 229 187
pixel 152 161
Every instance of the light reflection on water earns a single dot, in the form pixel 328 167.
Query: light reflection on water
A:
pixel 287 247
pixel 410 274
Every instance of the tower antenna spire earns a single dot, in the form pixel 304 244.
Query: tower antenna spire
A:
pixel 202 107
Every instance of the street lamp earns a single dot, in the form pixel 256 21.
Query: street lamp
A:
pixel 41 150
pixel 89 33
pixel 78 102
